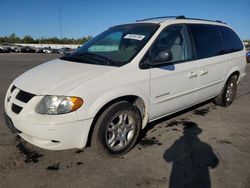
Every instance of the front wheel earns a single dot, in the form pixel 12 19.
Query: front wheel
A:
pixel 227 95
pixel 117 129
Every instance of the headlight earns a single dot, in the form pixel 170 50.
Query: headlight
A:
pixel 58 105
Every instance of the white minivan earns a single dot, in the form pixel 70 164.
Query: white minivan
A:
pixel 110 88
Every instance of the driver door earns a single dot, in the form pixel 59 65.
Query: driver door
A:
pixel 173 84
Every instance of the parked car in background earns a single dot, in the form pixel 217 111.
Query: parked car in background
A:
pixel 55 51
pixel 28 49
pixel 110 88
pixel 5 49
pixel 10 47
pixel 66 51
pixel 39 50
pixel 248 56
pixel 16 48
pixel 47 50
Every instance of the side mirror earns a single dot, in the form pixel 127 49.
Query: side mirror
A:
pixel 162 58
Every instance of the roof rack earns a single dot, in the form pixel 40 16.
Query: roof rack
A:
pixel 161 17
pixel 205 20
pixel 179 17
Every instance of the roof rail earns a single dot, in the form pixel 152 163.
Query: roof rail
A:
pixel 179 17
pixel 161 17
pixel 206 20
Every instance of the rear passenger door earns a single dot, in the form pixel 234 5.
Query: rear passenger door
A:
pixel 210 59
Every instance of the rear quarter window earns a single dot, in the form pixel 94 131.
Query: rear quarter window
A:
pixel 231 41
pixel 207 40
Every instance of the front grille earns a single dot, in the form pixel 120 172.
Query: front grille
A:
pixel 24 96
pixel 15 108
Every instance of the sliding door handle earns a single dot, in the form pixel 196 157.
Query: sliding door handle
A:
pixel 203 72
pixel 192 74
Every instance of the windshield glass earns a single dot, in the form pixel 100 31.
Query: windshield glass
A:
pixel 115 46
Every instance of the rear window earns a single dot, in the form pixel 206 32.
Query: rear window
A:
pixel 212 40
pixel 207 40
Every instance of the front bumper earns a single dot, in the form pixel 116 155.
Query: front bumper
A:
pixel 53 132
pixel 52 136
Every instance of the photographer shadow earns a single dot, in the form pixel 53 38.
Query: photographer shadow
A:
pixel 191 159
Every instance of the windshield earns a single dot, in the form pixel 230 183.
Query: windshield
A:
pixel 115 46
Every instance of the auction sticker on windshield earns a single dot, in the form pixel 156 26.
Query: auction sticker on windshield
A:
pixel 134 36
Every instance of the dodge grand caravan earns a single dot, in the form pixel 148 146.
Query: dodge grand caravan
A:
pixel 110 88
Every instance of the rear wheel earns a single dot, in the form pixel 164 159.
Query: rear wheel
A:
pixel 228 93
pixel 117 129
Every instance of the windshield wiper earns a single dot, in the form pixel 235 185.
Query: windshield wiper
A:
pixel 69 58
pixel 96 56
pixel 77 59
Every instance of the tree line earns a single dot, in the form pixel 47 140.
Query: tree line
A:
pixel 51 40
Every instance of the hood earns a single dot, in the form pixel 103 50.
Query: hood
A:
pixel 57 77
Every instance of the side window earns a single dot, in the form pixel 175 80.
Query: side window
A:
pixel 231 41
pixel 173 39
pixel 207 40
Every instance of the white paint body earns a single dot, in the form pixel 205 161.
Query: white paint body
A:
pixel 162 91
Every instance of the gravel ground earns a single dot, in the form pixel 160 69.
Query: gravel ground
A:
pixel 205 146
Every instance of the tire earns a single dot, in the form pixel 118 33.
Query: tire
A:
pixel 116 130
pixel 227 95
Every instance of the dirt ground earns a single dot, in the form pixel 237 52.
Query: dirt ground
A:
pixel 205 146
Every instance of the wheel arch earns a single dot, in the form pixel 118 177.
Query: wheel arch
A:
pixel 135 100
pixel 234 71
